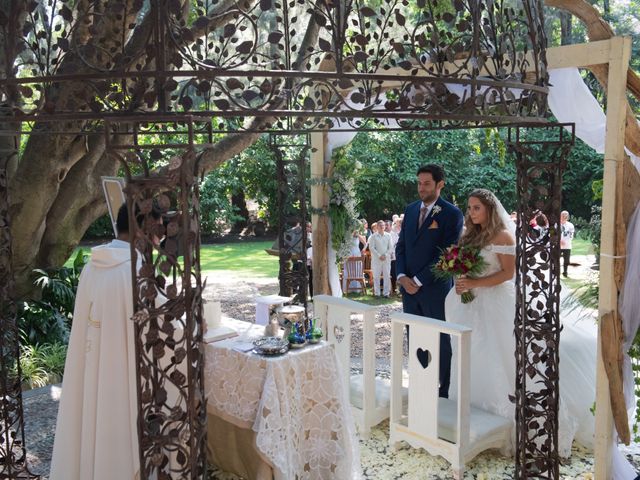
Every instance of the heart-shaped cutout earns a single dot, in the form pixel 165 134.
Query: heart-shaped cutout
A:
pixel 424 357
pixel 338 332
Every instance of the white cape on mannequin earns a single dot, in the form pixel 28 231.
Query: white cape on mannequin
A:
pixel 96 437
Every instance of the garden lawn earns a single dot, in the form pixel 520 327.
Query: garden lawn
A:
pixel 244 259
pixel 580 246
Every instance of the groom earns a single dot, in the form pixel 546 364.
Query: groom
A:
pixel 430 225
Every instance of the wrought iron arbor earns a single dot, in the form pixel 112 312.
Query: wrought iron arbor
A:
pixel 249 67
pixel 291 172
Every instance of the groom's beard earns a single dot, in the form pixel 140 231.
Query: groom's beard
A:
pixel 428 198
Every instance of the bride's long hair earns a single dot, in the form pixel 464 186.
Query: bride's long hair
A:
pixel 474 234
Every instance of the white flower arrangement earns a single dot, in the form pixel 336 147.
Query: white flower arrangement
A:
pixel 342 204
pixel 436 210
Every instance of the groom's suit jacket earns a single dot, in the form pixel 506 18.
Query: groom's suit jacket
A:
pixel 418 249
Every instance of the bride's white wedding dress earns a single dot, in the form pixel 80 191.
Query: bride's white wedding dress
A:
pixel 491 316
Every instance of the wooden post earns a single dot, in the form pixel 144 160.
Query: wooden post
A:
pixel 319 224
pixel 608 301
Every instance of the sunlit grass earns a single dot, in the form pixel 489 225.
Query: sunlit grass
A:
pixel 581 247
pixel 372 300
pixel 244 259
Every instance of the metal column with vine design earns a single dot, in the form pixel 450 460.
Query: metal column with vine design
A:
pixel 167 298
pixel 291 171
pixel 540 165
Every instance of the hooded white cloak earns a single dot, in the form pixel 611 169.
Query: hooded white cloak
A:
pixel 96 436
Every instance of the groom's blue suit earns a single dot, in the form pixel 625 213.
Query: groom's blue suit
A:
pixel 417 250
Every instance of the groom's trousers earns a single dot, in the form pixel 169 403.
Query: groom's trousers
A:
pixel 421 304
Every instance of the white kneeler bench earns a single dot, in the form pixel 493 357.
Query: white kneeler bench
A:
pixel 369 396
pixel 450 428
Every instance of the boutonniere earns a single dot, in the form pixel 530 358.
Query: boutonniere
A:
pixel 435 210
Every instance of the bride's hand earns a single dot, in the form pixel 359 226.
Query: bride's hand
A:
pixel 463 284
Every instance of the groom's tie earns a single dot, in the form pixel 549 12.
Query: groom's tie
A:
pixel 423 215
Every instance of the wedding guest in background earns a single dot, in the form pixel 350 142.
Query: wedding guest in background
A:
pixel 309 233
pixel 542 223
pixel 567 232
pixel 514 217
pixel 395 234
pixel 374 229
pixel 380 246
pixel 357 239
pixel 366 233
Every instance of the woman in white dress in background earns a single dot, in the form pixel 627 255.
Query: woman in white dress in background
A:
pixel 491 316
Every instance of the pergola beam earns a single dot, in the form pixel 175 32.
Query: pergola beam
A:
pixel 614 156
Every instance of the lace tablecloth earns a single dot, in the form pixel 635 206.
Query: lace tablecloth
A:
pixel 295 403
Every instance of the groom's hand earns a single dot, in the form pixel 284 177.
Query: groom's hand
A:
pixel 409 285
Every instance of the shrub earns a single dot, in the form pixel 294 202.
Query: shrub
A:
pixel 101 228
pixel 47 320
pixel 41 365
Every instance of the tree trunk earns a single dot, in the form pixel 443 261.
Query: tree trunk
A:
pixel 54 188
pixel 239 204
pixel 565 28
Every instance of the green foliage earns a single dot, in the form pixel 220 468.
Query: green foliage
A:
pixel 342 205
pixel 101 228
pixel 216 210
pixel 253 171
pixel 583 293
pixel 46 321
pixel 59 286
pixel 39 322
pixel 584 167
pixel 42 364
pixel 471 158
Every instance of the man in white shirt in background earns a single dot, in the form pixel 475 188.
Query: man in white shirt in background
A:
pixel 380 247
pixel 567 231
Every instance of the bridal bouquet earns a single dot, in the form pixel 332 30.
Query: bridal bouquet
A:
pixel 458 260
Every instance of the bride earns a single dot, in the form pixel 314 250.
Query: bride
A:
pixel 491 316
